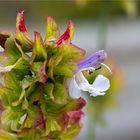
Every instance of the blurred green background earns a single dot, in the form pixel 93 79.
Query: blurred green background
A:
pixel 110 25
pixel 65 9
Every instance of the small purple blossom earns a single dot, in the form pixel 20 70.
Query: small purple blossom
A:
pixel 93 60
pixel 79 83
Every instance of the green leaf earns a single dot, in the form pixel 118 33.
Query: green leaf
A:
pixel 7 136
pixel 58 56
pixel 3 95
pixel 51 125
pixel 25 103
pixel 39 51
pixel 12 82
pixel 20 64
pixel 28 122
pixel 11 49
pixel 62 70
pixel 36 66
pixel 54 61
pixel 10 119
pixel 48 89
pixel 59 93
pixel 51 65
pixel 76 53
pixel 6 95
pixel 22 95
pixel 54 107
pixel 71 132
pixel 27 134
pixel 12 78
pixel 32 113
pixel 27 85
pixel 75 104
pixel 39 69
pixel 20 49
pixel 73 53
pixel 52 30
pixel 7 68
pixel 26 82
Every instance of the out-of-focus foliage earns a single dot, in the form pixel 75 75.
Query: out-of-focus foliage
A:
pixel 130 7
pixel 75 9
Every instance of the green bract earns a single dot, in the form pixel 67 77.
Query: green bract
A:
pixel 35 100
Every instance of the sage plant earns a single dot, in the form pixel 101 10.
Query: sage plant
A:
pixel 42 83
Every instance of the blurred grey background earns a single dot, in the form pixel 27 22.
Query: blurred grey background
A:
pixel 123 43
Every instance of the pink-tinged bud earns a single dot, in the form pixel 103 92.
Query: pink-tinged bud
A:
pixel 74 116
pixel 42 74
pixel 67 35
pixel 1 106
pixel 39 122
pixel 81 103
pixel 20 25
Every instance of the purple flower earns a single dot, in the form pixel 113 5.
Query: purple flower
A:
pixel 93 60
pixel 79 83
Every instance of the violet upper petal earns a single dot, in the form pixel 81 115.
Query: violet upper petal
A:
pixel 93 60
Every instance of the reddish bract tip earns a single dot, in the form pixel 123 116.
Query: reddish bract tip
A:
pixel 37 33
pixel 43 78
pixel 66 35
pixel 39 121
pixel 20 20
pixel 38 36
pixel 81 103
pixel 63 37
pixel 1 106
pixel 50 18
pixel 71 24
pixel 74 116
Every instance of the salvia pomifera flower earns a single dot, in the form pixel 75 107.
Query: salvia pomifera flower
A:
pixel 42 82
pixel 79 83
